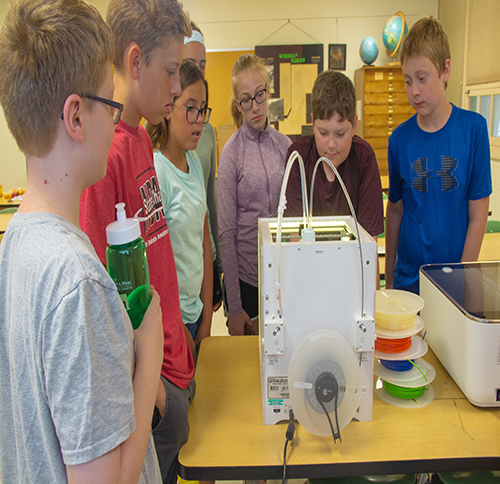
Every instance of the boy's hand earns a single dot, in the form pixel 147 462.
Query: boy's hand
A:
pixel 236 324
pixel 149 336
pixel 217 306
pixel 203 332
pixel 190 342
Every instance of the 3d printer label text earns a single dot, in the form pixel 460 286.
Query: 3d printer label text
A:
pixel 277 388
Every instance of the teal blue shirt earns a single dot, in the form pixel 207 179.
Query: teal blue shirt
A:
pixel 184 200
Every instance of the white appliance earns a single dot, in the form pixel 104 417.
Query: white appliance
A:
pixel 462 319
pixel 316 312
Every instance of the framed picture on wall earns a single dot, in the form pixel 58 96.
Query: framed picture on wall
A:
pixel 337 56
pixel 293 69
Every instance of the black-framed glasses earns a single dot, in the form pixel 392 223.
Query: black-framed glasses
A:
pixel 259 98
pixel 117 107
pixel 193 113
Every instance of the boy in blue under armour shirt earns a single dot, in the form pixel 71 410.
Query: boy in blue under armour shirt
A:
pixel 439 168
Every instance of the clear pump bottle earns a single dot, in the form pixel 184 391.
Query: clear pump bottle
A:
pixel 128 265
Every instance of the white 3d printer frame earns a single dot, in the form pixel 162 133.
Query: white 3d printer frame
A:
pixel 321 280
pixel 321 288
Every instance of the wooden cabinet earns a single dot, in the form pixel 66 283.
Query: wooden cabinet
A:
pixel 381 106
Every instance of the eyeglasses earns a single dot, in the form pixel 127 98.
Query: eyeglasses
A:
pixel 193 113
pixel 259 98
pixel 117 107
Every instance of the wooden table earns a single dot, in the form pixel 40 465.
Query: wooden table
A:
pixel 4 220
pixel 228 441
pixel 9 203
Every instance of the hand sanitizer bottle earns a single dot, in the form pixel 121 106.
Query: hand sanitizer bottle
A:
pixel 128 264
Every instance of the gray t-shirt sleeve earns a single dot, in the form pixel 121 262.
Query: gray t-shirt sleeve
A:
pixel 86 371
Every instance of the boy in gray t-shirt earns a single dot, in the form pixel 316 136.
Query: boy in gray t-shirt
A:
pixel 73 406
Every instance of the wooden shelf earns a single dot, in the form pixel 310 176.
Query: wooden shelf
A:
pixel 382 105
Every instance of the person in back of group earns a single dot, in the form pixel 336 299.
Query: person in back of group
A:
pixel 249 179
pixel 439 167
pixel 194 50
pixel 149 40
pixel 334 123
pixel 180 176
pixel 73 406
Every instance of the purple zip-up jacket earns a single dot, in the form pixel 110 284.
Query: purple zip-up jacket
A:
pixel 249 179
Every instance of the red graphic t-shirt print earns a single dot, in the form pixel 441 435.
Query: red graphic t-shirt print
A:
pixel 151 202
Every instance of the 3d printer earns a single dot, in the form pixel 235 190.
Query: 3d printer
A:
pixel 317 281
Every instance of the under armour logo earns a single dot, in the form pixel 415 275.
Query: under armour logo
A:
pixel 448 181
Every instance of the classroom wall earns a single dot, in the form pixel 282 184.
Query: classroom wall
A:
pixel 12 164
pixel 241 25
pixel 452 14
pixel 238 24
pixel 230 25
pixel 471 27
pixel 218 75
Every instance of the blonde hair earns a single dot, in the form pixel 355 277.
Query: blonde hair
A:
pixel 195 27
pixel 148 23
pixel 427 38
pixel 188 74
pixel 333 92
pixel 49 49
pixel 245 63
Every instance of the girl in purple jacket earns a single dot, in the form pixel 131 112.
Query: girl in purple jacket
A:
pixel 249 179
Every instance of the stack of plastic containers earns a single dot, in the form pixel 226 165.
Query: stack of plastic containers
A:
pixel 403 376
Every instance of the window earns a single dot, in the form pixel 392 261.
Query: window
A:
pixel 496 116
pixel 485 99
pixel 473 106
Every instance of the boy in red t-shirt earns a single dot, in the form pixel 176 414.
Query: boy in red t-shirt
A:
pixel 149 41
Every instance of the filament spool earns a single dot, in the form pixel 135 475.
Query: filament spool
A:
pixel 398 365
pixel 392 345
pixel 403 392
pixel 400 333
pixel 418 348
pixel 324 351
pixel 425 399
pixel 396 309
pixel 408 389
pixel 421 373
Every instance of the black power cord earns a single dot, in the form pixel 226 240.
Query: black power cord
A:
pixel 327 389
pixel 290 431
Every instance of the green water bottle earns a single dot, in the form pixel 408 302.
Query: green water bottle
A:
pixel 128 264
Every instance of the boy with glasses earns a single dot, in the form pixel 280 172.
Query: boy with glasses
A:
pixel 72 405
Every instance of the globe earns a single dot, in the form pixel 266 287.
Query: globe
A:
pixel 394 32
pixel 368 50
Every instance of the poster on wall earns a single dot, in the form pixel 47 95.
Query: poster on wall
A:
pixel 337 56
pixel 294 69
pixel 276 110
